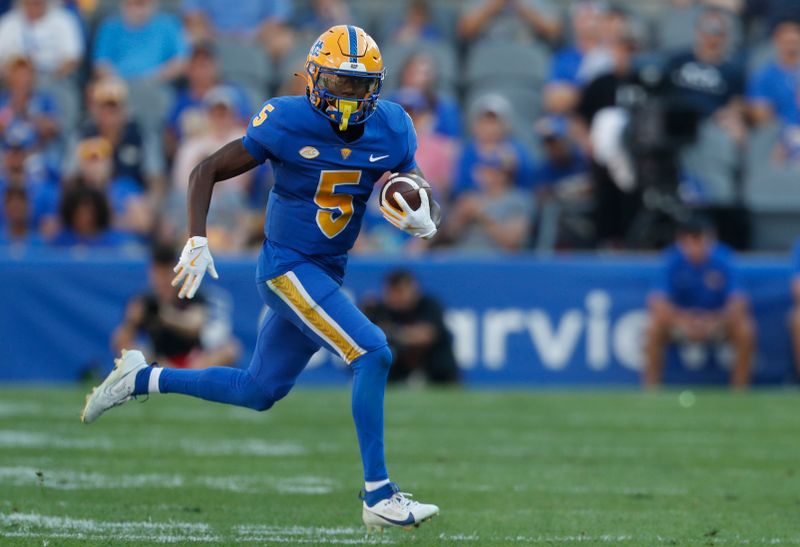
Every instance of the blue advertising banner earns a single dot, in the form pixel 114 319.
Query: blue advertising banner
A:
pixel 515 321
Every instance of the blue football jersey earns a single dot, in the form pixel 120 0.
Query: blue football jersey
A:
pixel 322 183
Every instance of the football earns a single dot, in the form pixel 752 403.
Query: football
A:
pixel 408 186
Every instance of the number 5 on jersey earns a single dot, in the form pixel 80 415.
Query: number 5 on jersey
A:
pixel 336 210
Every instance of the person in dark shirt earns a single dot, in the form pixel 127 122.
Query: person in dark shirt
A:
pixel 110 119
pixel 614 209
pixel 704 81
pixel 174 327
pixel 700 301
pixel 414 325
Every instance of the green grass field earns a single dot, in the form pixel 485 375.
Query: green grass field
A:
pixel 547 468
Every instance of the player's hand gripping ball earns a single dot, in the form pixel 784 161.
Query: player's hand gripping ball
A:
pixel 407 203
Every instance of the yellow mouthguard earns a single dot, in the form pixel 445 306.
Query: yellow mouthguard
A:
pixel 346 108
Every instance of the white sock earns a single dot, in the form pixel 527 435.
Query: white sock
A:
pixel 371 486
pixel 152 384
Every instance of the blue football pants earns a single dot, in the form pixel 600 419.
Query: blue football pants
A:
pixel 308 309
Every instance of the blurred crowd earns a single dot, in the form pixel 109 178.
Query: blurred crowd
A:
pixel 542 124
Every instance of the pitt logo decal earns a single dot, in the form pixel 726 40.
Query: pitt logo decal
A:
pixel 346 153
pixel 309 152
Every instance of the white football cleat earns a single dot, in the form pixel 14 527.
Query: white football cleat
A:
pixel 117 388
pixel 398 511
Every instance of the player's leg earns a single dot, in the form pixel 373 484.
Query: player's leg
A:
pixel 316 304
pixel 281 353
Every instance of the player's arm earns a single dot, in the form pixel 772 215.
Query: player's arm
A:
pixel 229 161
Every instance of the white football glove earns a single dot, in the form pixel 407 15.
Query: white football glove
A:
pixel 191 267
pixel 418 223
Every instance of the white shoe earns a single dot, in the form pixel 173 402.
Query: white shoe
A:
pixel 399 511
pixel 117 388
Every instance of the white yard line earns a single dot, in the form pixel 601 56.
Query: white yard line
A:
pixel 68 479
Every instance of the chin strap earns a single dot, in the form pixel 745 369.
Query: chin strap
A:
pixel 346 108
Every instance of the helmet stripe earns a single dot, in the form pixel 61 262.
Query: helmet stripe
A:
pixel 351 30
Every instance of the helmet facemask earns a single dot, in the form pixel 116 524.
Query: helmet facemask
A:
pixel 347 97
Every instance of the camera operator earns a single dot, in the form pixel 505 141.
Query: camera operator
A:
pixel 610 93
pixel 657 114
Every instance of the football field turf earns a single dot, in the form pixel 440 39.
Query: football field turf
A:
pixel 506 468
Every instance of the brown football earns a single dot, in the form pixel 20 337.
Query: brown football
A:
pixel 408 186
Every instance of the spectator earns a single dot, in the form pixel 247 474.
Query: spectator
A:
pixel 130 209
pixel 86 221
pixel 415 328
pixel 417 25
pixel 21 102
pixel 181 333
pixel 496 215
pixel 704 81
pixel 491 136
pixel 24 169
pixel 773 91
pixel 509 20
pixel 135 156
pixel 675 27
pixel 44 32
pixel 227 222
pixel 419 72
pixel 699 301
pixel 16 229
pixel 562 91
pixel 614 208
pixel 436 153
pixel 188 111
pixel 140 42
pixel 562 159
pixel 264 21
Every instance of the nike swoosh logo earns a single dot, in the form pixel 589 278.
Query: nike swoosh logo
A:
pixel 373 159
pixel 409 520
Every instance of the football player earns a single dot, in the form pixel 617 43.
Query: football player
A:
pixel 327 149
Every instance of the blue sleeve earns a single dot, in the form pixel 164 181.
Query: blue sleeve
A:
pixel 758 86
pixel 102 43
pixel 409 163
pixel 255 148
pixel 263 133
pixel 564 68
pixel 179 46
